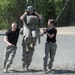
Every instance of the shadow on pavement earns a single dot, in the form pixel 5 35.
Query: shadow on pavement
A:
pixel 30 70
pixel 63 72
pixel 53 71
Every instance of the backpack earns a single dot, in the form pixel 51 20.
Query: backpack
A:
pixel 31 20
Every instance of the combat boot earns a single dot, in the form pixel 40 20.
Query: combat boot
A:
pixel 6 69
pixel 27 68
pixel 45 69
pixel 23 65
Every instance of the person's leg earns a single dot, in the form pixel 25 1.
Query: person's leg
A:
pixel 24 58
pixel 12 55
pixel 6 56
pixel 34 36
pixel 24 54
pixel 29 59
pixel 23 48
pixel 46 55
pixel 27 37
pixel 52 54
pixel 34 39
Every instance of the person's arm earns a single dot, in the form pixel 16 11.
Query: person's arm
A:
pixel 6 40
pixel 23 16
pixel 21 31
pixel 53 34
pixel 44 31
pixel 50 35
pixel 38 15
pixel 42 34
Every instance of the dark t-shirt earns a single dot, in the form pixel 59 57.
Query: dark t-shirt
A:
pixel 51 31
pixel 13 36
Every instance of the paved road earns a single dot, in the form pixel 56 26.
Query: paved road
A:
pixel 64 63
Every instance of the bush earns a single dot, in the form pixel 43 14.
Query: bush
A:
pixel 4 25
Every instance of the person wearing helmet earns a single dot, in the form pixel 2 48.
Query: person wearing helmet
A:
pixel 29 37
pixel 30 11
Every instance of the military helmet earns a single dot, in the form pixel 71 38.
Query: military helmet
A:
pixel 29 8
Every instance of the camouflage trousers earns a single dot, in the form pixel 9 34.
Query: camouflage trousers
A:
pixel 10 52
pixel 30 37
pixel 28 44
pixel 29 34
pixel 50 51
pixel 27 56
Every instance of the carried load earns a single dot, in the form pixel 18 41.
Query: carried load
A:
pixel 31 21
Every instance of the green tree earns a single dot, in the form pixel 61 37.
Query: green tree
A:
pixel 72 8
pixel 64 18
pixel 12 10
pixel 48 10
pixel 7 12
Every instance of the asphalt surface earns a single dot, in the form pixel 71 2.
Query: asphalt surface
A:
pixel 64 63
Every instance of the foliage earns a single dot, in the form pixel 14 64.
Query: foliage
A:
pixel 11 10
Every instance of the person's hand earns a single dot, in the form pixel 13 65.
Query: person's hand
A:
pixel 10 44
pixel 44 30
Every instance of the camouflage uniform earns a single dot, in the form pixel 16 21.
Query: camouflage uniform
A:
pixel 49 48
pixel 30 34
pixel 10 52
pixel 26 57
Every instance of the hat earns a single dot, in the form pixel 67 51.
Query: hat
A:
pixel 29 8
